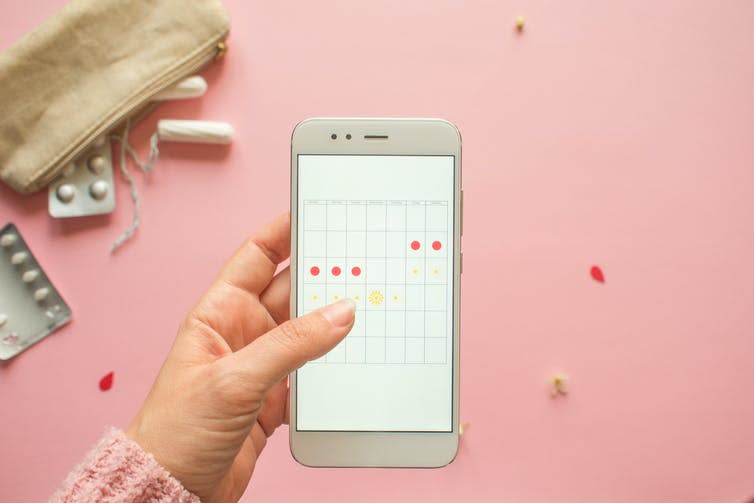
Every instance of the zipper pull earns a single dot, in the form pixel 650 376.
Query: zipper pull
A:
pixel 222 48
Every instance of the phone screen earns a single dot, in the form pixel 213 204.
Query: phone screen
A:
pixel 378 229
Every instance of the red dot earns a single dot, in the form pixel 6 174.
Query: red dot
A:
pixel 356 271
pixel 415 245
pixel 436 245
pixel 336 271
pixel 314 270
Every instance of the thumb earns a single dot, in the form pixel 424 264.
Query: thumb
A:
pixel 287 347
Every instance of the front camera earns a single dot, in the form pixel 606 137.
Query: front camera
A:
pixel 333 136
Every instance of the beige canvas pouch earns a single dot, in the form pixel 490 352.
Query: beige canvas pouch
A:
pixel 87 68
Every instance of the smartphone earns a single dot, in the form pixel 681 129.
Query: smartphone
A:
pixel 376 216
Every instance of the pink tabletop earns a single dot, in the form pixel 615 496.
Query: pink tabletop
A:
pixel 611 133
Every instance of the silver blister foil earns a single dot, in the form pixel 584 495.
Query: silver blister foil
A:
pixel 31 308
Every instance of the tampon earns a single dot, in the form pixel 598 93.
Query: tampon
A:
pixel 195 131
pixel 192 87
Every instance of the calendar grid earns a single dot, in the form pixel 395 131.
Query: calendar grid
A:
pixel 345 346
pixel 393 259
pixel 405 258
pixel 384 319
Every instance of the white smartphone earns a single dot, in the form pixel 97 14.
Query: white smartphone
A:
pixel 376 216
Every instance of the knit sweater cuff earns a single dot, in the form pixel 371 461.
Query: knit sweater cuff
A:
pixel 118 470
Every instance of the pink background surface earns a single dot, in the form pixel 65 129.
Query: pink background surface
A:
pixel 615 133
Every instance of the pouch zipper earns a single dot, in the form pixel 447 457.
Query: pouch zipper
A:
pixel 216 49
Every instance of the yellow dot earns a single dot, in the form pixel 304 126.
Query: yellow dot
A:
pixel 436 271
pixel 395 298
pixel 336 297
pixel 415 271
pixel 520 23
pixel 376 298
pixel 315 297
pixel 357 298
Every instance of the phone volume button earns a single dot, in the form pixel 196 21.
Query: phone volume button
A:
pixel 461 267
pixel 461 212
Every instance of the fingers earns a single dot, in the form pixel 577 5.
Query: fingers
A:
pixel 272 356
pixel 258 438
pixel 254 264
pixel 287 414
pixel 231 313
pixel 273 409
pixel 231 307
pixel 277 297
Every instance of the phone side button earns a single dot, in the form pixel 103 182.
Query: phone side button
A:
pixel 461 268
pixel 461 212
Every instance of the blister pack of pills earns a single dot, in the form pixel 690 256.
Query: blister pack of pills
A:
pixel 86 185
pixel 30 306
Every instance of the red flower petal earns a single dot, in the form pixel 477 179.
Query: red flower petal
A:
pixel 596 273
pixel 106 382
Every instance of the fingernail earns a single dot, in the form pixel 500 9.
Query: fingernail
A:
pixel 340 313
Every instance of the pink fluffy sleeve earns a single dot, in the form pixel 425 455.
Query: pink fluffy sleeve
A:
pixel 118 470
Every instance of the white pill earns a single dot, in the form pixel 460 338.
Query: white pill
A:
pixel 41 293
pixel 65 192
pixel 68 170
pixel 99 189
pixel 96 164
pixel 8 240
pixel 3 319
pixel 30 276
pixel 220 133
pixel 19 258
pixel 192 87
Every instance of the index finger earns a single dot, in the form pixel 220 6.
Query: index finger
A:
pixel 252 267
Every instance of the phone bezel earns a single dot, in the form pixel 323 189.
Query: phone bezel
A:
pixel 378 137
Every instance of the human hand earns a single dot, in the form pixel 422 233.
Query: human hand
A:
pixel 223 389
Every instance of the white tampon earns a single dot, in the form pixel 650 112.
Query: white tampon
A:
pixel 192 87
pixel 188 131
pixel 195 131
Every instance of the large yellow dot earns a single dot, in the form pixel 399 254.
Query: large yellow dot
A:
pixel 376 298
